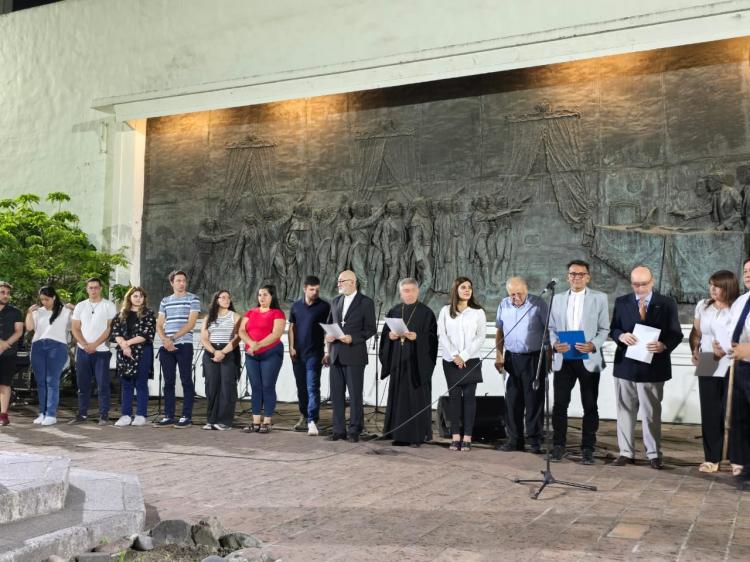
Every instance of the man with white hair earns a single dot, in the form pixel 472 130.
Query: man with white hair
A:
pixel 518 341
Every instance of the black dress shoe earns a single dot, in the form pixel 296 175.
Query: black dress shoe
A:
pixel 336 437
pixel 508 447
pixel 557 454
pixel 536 449
pixel 353 438
pixel 656 464
pixel 587 456
pixel 622 461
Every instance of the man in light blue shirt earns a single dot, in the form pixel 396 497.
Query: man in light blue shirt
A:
pixel 520 325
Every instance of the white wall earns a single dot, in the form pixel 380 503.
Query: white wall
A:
pixel 141 58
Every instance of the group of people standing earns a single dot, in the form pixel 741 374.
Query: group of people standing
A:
pixel 408 353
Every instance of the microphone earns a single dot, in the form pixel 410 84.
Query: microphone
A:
pixel 551 285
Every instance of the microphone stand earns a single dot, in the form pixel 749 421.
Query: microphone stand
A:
pixel 376 348
pixel 547 477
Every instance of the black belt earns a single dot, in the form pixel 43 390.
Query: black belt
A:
pixel 524 353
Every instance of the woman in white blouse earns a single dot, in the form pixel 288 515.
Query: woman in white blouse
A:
pixel 462 327
pixel 711 329
pixel 50 323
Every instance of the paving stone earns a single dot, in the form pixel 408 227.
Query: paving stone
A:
pixel 628 531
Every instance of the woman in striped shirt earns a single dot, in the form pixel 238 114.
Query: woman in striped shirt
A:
pixel 221 361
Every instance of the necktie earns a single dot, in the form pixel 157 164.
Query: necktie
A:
pixel 741 322
pixel 642 309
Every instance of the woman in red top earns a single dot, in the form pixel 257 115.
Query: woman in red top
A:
pixel 261 330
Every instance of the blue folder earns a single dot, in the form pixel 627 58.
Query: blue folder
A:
pixel 573 337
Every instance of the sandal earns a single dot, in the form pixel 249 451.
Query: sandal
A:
pixel 709 467
pixel 466 446
pixel 264 428
pixel 736 469
pixel 455 446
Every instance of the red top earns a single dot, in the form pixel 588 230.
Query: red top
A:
pixel 260 324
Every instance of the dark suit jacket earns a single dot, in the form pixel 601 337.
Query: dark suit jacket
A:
pixel 359 323
pixel 662 314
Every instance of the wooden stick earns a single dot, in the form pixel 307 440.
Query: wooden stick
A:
pixel 728 415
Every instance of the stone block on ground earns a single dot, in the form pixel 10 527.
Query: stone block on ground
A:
pixel 237 540
pixel 172 531
pixel 208 531
pixel 143 543
pixel 31 485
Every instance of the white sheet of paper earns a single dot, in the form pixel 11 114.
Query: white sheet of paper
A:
pixel 644 335
pixel 397 325
pixel 333 330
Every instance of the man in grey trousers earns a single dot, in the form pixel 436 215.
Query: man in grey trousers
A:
pixel 639 386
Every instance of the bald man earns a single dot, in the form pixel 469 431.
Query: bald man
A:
pixel 518 340
pixel 639 386
pixel 347 355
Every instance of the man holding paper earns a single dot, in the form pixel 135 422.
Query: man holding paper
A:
pixel 646 330
pixel 354 315
pixel 408 350
pixel 578 327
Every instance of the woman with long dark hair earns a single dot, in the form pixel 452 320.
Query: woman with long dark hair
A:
pixel 261 330
pixel 50 322
pixel 712 324
pixel 221 361
pixel 133 329
pixel 462 329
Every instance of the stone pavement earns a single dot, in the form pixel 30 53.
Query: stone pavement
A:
pixel 312 499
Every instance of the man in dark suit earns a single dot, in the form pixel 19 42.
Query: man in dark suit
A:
pixel 347 355
pixel 639 385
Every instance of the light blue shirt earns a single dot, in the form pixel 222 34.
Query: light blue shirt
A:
pixel 526 336
pixel 648 299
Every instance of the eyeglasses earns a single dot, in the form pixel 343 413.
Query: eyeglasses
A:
pixel 340 281
pixel 641 284
pixel 578 274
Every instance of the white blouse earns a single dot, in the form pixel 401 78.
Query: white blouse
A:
pixel 463 335
pixel 60 327
pixel 715 325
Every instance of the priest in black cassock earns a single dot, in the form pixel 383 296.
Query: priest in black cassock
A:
pixel 409 359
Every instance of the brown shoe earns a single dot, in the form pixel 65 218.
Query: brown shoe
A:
pixel 622 461
pixel 4 420
pixel 656 464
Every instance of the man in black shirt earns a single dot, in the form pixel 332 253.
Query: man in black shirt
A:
pixel 11 330
pixel 306 349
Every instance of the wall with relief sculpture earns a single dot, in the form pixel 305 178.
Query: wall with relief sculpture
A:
pixel 617 160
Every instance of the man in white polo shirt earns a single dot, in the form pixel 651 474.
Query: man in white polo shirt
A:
pixel 92 322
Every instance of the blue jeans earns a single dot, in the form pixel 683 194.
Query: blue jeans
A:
pixel 48 359
pixel 263 372
pixel 170 361
pixel 139 383
pixel 307 376
pixel 89 367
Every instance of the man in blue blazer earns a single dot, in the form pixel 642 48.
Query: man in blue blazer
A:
pixel 586 310
pixel 347 356
pixel 639 385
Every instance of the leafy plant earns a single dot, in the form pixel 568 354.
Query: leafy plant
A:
pixel 39 248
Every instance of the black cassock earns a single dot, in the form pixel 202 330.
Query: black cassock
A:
pixel 410 365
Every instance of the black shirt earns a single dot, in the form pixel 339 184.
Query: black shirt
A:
pixel 308 335
pixel 9 315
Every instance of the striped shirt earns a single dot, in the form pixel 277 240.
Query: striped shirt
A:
pixel 220 330
pixel 176 311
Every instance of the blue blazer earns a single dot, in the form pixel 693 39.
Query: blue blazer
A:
pixel 662 314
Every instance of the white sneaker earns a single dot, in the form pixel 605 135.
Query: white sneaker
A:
pixel 39 419
pixel 123 421
pixel 208 426
pixel 139 420
pixel 312 429
pixel 49 420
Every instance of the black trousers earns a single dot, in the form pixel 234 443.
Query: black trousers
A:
pixel 521 398
pixel 712 392
pixel 462 398
pixel 221 388
pixel 563 383
pixel 739 437
pixel 343 378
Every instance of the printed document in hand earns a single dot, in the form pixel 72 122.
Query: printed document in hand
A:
pixel 643 335
pixel 333 330
pixel 397 326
